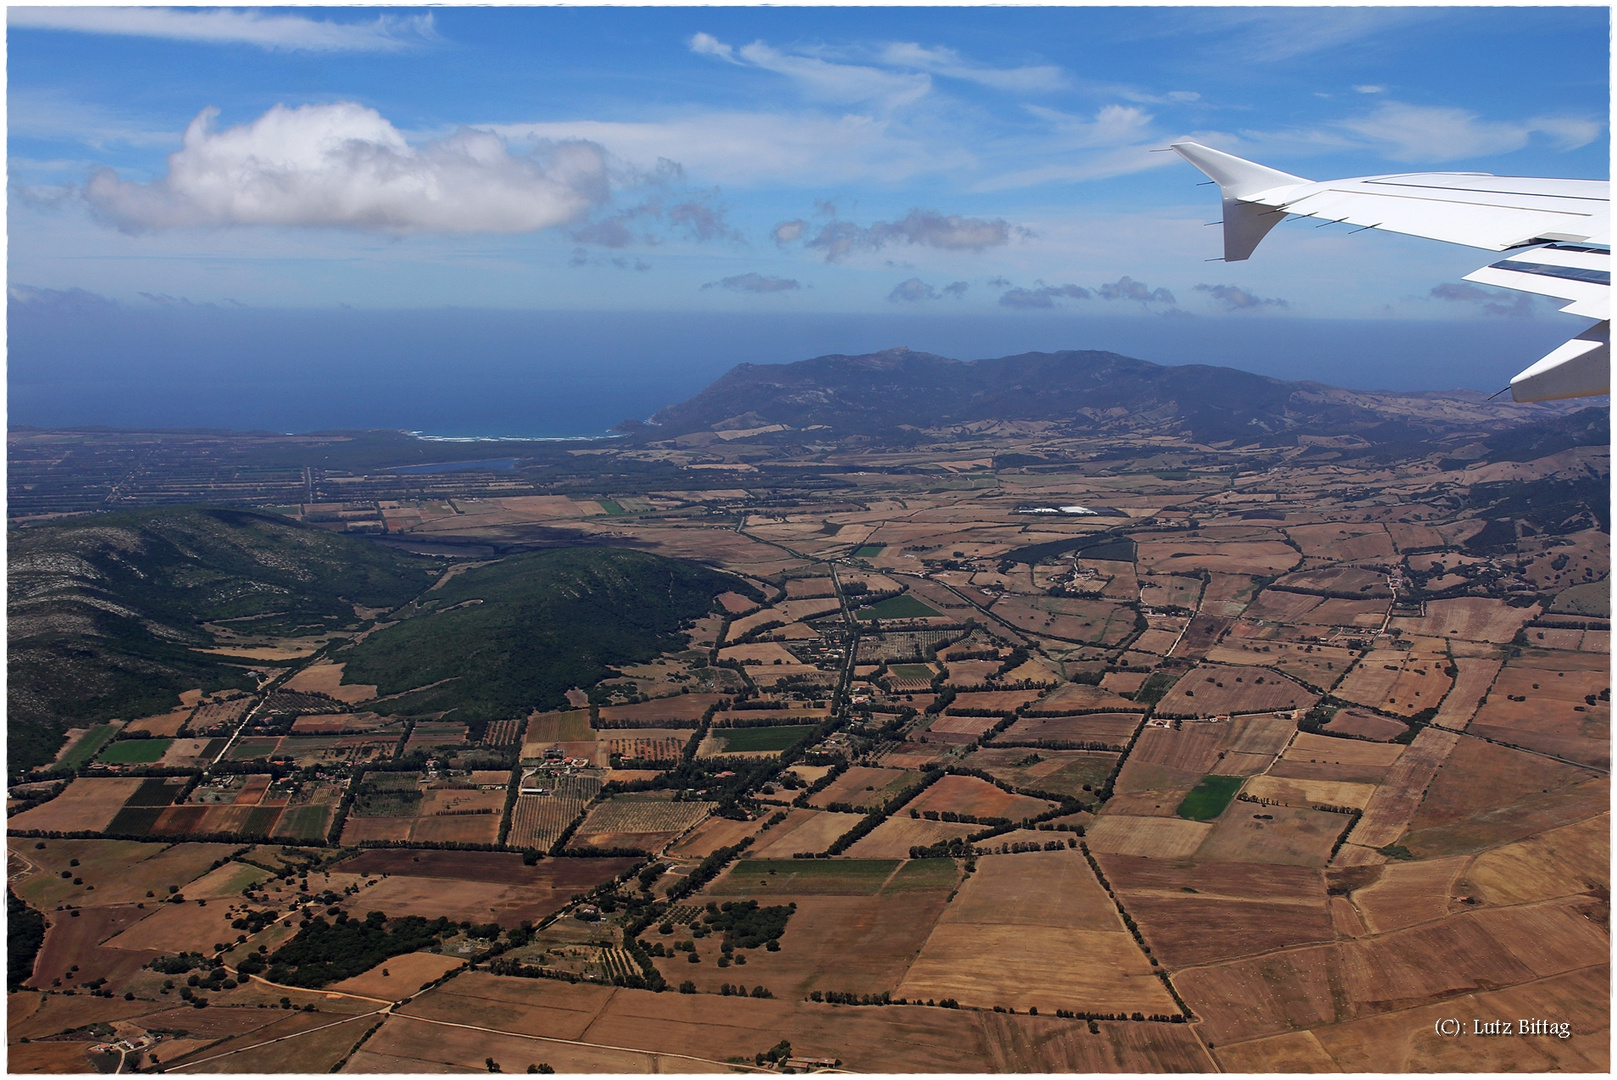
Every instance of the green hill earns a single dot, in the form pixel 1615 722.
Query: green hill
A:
pixel 105 611
pixel 497 641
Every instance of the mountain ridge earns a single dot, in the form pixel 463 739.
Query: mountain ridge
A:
pixel 887 393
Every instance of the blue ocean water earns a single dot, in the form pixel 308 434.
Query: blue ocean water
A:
pixel 488 374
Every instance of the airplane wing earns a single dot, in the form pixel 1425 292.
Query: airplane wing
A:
pixel 1557 233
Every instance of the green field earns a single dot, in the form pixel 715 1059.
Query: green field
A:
pixel 135 751
pixel 808 877
pixel 1208 799
pixel 249 749
pixel 305 822
pixel 94 740
pixel 912 671
pixel 869 551
pixel 1590 598
pixel 920 875
pixel 902 606
pixel 747 740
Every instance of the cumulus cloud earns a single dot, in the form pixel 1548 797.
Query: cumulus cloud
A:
pixel 1042 296
pixel 789 231
pixel 343 165
pixel 1126 288
pixel 1235 298
pixel 912 291
pixel 956 288
pixel 754 283
pixel 927 228
pixel 229 26
pixel 1510 305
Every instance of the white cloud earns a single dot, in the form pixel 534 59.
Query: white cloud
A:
pixel 344 165
pixel 227 26
pixel 1441 133
pixel 1370 89
pixel 948 63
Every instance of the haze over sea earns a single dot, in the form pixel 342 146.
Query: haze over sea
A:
pixel 488 373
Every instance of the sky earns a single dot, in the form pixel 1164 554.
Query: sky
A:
pixel 808 163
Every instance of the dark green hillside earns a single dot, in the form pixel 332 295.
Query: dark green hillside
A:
pixel 503 639
pixel 104 611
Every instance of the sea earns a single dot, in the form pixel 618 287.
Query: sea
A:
pixel 484 374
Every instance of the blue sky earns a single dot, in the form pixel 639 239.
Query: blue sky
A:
pixel 951 160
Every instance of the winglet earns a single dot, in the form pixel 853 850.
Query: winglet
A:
pixel 1239 180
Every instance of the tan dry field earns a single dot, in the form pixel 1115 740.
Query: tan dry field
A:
pixel 1365 614
pixel 1295 792
pixel 803 830
pixel 1473 618
pixel 361 830
pixel 164 725
pixel 1406 1042
pixel 1470 686
pixel 1396 682
pixel 1062 772
pixel 1327 984
pixel 1361 723
pixel 1184 929
pixel 970 672
pixel 806 588
pixel 874 939
pixel 893 838
pixel 405 975
pixel 1123 682
pixel 958 730
pixel 969 795
pixel 1567 861
pixel 326 678
pixel 1067 619
pixel 1114 729
pixel 677 711
pixel 998 700
pixel 176 928
pixel 1486 795
pixel 1409 893
pixel 1154 837
pixel 77 943
pixel 225 883
pixel 711 835
pixel 1075 696
pixel 1035 930
pixel 123 871
pixel 1343 542
pixel 1159 640
pixel 862 786
pixel 893 1039
pixel 1213 690
pixel 88 804
pixel 1184 554
pixel 487 885
pixel 458 829
pixel 1281 607
pixel 1556 716
pixel 1294 835
pixel 1166 759
pixel 1320 667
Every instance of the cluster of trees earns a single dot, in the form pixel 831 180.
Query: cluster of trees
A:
pixel 745 925
pixel 25 933
pixel 726 990
pixel 323 952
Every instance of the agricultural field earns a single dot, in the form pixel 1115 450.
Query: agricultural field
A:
pixel 643 822
pixel 1327 714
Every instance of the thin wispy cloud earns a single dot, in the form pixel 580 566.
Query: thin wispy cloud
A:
pixel 1440 133
pixel 950 64
pixel 820 79
pixel 230 26
pixel 755 283
pixel 1510 305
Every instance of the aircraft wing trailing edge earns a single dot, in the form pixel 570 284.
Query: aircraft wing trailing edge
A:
pixel 1557 234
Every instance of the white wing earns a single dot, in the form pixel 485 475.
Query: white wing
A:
pixel 1558 233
